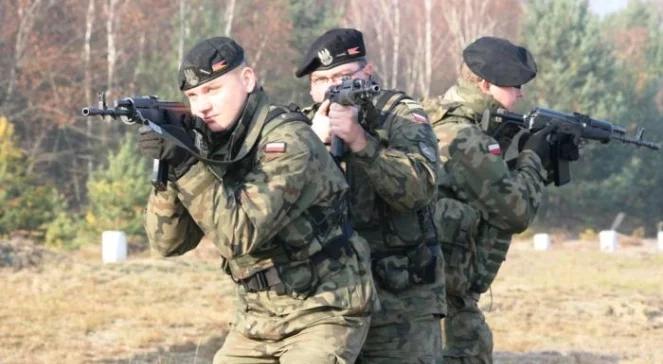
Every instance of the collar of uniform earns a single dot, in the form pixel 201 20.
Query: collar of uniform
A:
pixel 471 97
pixel 243 132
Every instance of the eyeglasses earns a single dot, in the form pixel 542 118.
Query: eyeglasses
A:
pixel 334 79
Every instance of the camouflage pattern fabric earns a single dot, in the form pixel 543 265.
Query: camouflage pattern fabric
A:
pixel 272 211
pixel 468 338
pixel 392 190
pixel 417 335
pixel 481 203
pixel 332 340
pixel 457 224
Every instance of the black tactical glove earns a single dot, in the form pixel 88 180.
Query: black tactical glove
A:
pixel 538 143
pixel 155 147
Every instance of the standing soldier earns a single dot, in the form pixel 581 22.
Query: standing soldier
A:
pixel 273 203
pixel 391 165
pixel 491 178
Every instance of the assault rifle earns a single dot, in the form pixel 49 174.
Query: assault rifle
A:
pixel 569 131
pixel 350 92
pixel 166 118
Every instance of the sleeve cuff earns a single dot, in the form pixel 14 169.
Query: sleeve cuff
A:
pixel 370 151
pixel 530 160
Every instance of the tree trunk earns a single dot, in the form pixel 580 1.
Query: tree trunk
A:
pixel 26 18
pixel 396 35
pixel 111 57
pixel 428 49
pixel 230 15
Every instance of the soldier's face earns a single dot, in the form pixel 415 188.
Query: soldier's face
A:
pixel 506 96
pixel 220 101
pixel 321 80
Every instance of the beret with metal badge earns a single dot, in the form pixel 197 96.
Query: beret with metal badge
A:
pixel 208 60
pixel 335 47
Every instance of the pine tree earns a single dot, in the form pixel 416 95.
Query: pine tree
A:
pixel 26 203
pixel 576 73
pixel 118 193
pixel 580 70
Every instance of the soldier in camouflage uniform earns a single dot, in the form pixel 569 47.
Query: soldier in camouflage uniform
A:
pixel 490 185
pixel 272 200
pixel 390 164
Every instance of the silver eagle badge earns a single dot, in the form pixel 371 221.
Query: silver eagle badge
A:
pixel 325 57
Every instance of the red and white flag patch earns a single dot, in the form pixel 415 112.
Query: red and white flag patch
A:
pixel 275 147
pixel 495 149
pixel 218 66
pixel 419 119
pixel 353 51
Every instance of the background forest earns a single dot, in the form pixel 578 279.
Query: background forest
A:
pixel 64 178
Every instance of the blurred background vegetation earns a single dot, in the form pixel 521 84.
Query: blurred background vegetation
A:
pixel 64 178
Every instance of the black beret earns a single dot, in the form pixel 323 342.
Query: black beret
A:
pixel 208 60
pixel 500 62
pixel 334 48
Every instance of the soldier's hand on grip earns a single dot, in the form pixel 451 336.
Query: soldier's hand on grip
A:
pixel 154 146
pixel 539 144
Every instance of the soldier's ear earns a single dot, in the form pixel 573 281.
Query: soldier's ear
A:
pixel 484 86
pixel 248 77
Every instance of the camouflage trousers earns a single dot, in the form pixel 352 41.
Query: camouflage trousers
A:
pixel 468 339
pixel 329 341
pixel 414 338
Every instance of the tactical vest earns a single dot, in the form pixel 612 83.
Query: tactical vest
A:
pixel 475 250
pixel 285 265
pixel 411 247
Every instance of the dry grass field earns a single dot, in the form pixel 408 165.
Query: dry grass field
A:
pixel 572 304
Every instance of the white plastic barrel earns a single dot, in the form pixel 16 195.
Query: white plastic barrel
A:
pixel 541 241
pixel 608 241
pixel 113 246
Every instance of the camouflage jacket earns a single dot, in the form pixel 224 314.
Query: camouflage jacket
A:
pixel 392 192
pixel 473 167
pixel 481 199
pixel 277 206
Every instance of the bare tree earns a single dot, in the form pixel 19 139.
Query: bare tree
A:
pixel 468 20
pixel 230 15
pixel 396 41
pixel 26 18
pixel 111 56
pixel 89 21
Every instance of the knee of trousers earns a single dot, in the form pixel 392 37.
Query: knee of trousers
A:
pixel 467 335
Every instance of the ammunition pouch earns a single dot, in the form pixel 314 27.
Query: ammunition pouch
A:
pixel 407 229
pixel 398 271
pixel 492 246
pixel 457 226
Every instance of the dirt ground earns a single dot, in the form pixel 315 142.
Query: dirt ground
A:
pixel 571 304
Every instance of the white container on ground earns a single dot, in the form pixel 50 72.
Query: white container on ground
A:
pixel 541 242
pixel 608 241
pixel 113 246
pixel 659 244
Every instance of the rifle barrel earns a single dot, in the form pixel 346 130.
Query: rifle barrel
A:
pixel 93 111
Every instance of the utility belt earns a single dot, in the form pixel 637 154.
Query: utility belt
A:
pixel 283 275
pixel 399 269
